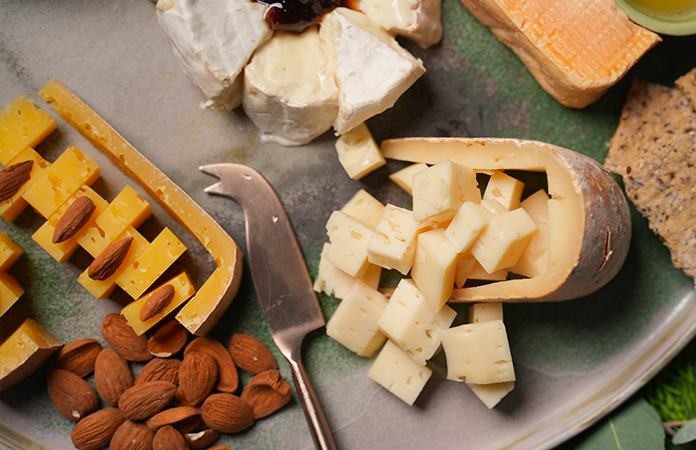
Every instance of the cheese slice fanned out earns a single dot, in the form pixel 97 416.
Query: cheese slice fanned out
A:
pixel 372 69
pixel 213 41
pixel 289 91
pixel 418 20
pixel 576 49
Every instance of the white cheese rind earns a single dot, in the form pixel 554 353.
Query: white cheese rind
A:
pixel 418 20
pixel 395 371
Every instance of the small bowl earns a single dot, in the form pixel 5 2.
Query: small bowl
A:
pixel 672 17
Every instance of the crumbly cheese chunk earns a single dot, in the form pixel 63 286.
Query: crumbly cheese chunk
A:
pixel 434 267
pixel 394 244
pixel 504 188
pixel 358 152
pixel 349 239
pixel 395 371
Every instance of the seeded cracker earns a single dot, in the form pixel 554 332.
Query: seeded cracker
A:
pixel 687 84
pixel 654 149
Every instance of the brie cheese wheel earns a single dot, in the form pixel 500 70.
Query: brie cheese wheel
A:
pixel 372 70
pixel 213 41
pixel 289 90
pixel 418 20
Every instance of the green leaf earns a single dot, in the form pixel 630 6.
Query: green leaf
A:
pixel 686 433
pixel 634 427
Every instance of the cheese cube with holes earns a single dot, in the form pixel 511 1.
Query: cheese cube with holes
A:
pixel 354 324
pixel 9 252
pixel 491 394
pixel 477 272
pixel 22 125
pixel 13 207
pixel 394 244
pixel 349 239
pixel 465 264
pixel 535 257
pixel 395 371
pixel 10 291
pixel 484 312
pixel 333 281
pixel 468 223
pixel 478 353
pixel 493 206
pixel 441 190
pixel 410 322
pixel 71 170
pixel 434 267
pixel 358 152
pixel 364 208
pixel 504 188
pixel 404 177
pixel 503 241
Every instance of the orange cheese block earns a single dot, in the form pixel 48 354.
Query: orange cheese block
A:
pixel 22 125
pixel 13 207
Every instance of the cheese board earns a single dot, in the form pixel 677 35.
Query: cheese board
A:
pixel 575 360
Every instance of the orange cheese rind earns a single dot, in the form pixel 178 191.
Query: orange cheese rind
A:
pixel 205 309
pixel 589 218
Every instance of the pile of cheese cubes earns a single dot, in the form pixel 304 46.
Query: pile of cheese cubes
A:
pixel 453 234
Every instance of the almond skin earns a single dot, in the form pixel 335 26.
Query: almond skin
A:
pixel 267 392
pixel 109 260
pixel 168 340
pixel 160 369
pixel 228 377
pixel 227 413
pixel 157 302
pixel 197 376
pixel 112 376
pixel 73 397
pixel 173 416
pixel 202 439
pixel 78 357
pixel 120 336
pixel 144 400
pixel 75 217
pixel 167 438
pixel 13 177
pixel 249 353
pixel 95 431
pixel 132 436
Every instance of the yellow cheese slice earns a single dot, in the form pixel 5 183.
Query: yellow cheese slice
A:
pixel 22 125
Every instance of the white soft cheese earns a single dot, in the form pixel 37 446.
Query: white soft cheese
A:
pixel 372 69
pixel 395 371
pixel 213 41
pixel 418 20
pixel 289 90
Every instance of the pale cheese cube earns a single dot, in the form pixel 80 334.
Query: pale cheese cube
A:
pixel 364 208
pixel 535 257
pixel 493 206
pixel 349 239
pixel 478 353
pixel 358 152
pixel 354 324
pixel 404 177
pixel 477 272
pixel 504 188
pixel 484 312
pixel 434 267
pixel 411 323
pixel 468 223
pixel 333 281
pixel 503 241
pixel 465 265
pixel 491 394
pixel 395 371
pixel 537 206
pixel 440 190
pixel 394 244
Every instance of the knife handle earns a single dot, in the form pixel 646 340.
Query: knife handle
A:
pixel 319 428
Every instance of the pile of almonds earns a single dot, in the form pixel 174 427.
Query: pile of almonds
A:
pixel 173 403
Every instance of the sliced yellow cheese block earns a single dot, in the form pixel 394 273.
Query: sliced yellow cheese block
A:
pixel 10 291
pixel 9 252
pixel 13 207
pixel 22 125
pixel 24 352
pixel 204 310
pixel 576 50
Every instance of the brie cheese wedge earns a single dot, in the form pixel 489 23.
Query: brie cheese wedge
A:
pixel 418 20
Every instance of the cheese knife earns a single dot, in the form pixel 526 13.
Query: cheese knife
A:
pixel 280 277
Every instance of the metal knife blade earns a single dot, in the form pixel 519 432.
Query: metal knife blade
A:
pixel 280 277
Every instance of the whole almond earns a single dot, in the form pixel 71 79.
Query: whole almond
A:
pixel 201 439
pixel 197 376
pixel 160 369
pixel 167 438
pixel 13 177
pixel 267 392
pixel 72 396
pixel 227 413
pixel 132 436
pixel 73 219
pixel 157 302
pixel 78 357
pixel 109 260
pixel 250 354
pixel 181 399
pixel 143 401
pixel 168 340
pixel 120 336
pixel 173 416
pixel 112 376
pixel 95 431
pixel 228 377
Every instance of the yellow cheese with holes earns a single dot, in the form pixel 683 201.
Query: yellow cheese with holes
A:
pixel 25 351
pixel 10 291
pixel 395 371
pixel 434 267
pixel 71 170
pixel 404 177
pixel 13 207
pixel 491 394
pixel 151 263
pixel 333 281
pixel 358 152
pixel 22 125
pixel 504 188
pixel 9 252
pixel 503 241
pixel 62 251
pixel 483 312
pixel 364 208
pixel 183 290
pixel 535 257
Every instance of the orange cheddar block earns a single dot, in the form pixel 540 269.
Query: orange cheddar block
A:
pixel 13 207
pixel 71 170
pixel 576 49
pixel 10 291
pixel 9 252
pixel 183 290
pixel 22 125
pixel 62 251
